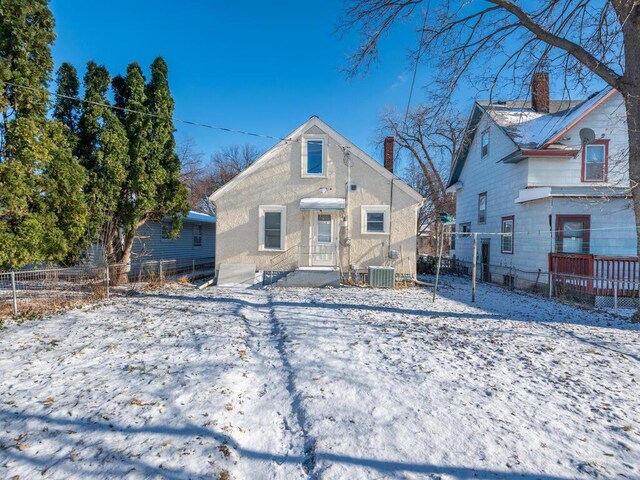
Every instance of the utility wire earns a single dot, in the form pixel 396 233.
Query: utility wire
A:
pixel 149 114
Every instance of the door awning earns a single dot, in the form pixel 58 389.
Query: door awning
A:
pixel 323 203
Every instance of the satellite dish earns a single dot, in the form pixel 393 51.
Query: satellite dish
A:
pixel 587 135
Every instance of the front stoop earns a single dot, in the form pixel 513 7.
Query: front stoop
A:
pixel 312 277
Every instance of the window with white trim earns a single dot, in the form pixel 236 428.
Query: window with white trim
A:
pixel 272 223
pixel 375 219
pixel 314 156
pixel 506 244
pixel 594 161
pixel 197 235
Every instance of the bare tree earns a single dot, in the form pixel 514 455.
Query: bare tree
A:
pixel 229 161
pixel 429 147
pixel 203 178
pixel 500 43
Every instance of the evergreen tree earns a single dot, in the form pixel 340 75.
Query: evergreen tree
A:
pixel 151 190
pixel 172 195
pixel 65 108
pixel 103 150
pixel 42 212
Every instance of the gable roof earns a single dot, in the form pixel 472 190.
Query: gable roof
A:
pixel 525 127
pixel 293 137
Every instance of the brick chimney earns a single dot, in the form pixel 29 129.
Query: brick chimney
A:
pixel 388 153
pixel 540 92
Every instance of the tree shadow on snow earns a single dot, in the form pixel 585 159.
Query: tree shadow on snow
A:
pixel 100 466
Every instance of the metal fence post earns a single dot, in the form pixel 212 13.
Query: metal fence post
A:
pixel 615 297
pixel 15 294
pixel 193 265
pixel 107 284
pixel 550 285
pixel 161 279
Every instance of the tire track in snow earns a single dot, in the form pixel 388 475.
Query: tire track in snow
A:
pixel 279 332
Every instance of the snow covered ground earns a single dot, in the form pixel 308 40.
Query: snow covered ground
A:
pixel 337 383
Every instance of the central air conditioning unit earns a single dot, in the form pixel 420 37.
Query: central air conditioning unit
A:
pixel 382 277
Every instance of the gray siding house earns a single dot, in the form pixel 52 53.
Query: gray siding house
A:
pixel 194 247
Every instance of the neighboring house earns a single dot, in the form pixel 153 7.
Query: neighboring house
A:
pixel 552 177
pixel 317 200
pixel 194 246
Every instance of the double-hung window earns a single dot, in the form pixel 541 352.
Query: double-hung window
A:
pixel 314 156
pixel 506 243
pixel 594 161
pixel 272 223
pixel 375 219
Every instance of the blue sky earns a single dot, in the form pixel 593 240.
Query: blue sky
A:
pixel 249 65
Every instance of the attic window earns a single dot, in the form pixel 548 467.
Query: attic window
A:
pixel 313 157
pixel 484 143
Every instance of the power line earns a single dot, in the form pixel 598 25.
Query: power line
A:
pixel 149 114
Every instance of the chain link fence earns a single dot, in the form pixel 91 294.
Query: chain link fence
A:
pixel 32 293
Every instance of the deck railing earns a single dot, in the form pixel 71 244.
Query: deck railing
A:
pixel 596 274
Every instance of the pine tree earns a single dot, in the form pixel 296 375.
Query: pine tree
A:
pixel 42 212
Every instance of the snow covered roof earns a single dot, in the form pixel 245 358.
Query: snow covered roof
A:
pixel 530 129
pixel 200 217
pixel 322 203
pixel 527 128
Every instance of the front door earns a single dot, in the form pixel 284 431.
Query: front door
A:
pixel 323 245
pixel 486 248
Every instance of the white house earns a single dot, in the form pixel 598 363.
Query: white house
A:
pixel 315 200
pixel 545 184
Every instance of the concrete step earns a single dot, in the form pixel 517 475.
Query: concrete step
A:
pixel 311 277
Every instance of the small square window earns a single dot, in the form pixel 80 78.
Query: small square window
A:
pixel 375 219
pixel 375 222
pixel 465 229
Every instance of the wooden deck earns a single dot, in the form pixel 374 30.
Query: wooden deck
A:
pixel 596 274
